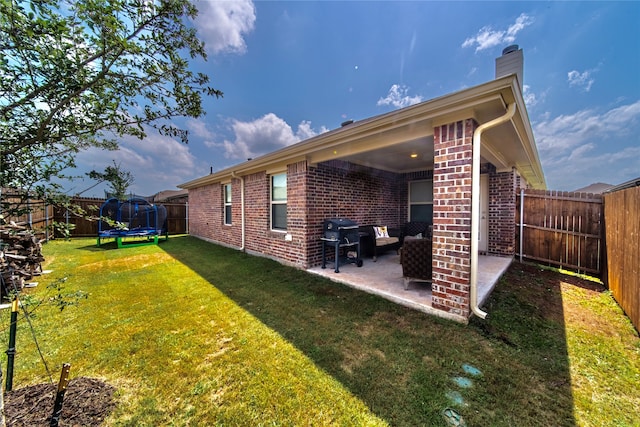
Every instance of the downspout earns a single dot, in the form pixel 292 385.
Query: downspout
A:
pixel 242 226
pixel 475 204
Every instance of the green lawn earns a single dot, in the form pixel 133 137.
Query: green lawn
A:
pixel 192 333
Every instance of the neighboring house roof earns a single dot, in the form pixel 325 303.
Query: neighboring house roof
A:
pixel 385 141
pixel 168 195
pixel 596 188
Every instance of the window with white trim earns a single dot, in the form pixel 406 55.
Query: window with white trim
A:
pixel 279 202
pixel 421 201
pixel 227 204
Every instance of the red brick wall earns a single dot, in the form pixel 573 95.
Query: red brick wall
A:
pixel 259 236
pixel 502 213
pixel 204 216
pixel 452 217
pixel 339 189
pixel 333 189
pixel 206 213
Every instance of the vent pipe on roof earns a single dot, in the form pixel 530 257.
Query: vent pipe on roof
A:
pixel 511 62
pixel 346 123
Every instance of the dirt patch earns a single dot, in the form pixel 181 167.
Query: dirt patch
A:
pixel 542 289
pixel 87 402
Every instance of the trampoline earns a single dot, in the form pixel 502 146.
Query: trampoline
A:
pixel 135 222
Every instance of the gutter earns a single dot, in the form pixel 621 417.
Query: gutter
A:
pixel 242 224
pixel 475 204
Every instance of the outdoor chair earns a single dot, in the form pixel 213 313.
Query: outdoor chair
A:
pixel 415 257
pixel 373 244
pixel 415 228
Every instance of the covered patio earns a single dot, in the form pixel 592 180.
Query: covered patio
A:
pixel 453 162
pixel 384 278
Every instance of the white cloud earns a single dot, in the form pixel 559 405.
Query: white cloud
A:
pixel 529 97
pixel 199 128
pixel 264 135
pixel 562 133
pixel 398 97
pixel 585 166
pixel 579 149
pixel 487 37
pixel 412 43
pixel 157 162
pixel 582 80
pixel 222 25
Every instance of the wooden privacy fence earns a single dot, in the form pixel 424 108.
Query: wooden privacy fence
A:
pixel 622 216
pixel 41 217
pixel 561 229
pixel 176 217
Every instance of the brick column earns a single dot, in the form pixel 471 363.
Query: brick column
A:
pixel 453 145
pixel 502 212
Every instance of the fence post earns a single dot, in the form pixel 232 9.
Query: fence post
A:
pixel 46 222
pixel 186 217
pixel 29 215
pixel 521 220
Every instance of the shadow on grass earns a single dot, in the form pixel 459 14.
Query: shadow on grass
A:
pixel 404 364
pixel 113 245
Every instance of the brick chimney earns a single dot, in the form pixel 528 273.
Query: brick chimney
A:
pixel 511 62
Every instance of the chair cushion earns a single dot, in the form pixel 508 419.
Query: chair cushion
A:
pixel 383 241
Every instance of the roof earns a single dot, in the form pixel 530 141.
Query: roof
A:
pixel 167 195
pixel 596 188
pixel 507 146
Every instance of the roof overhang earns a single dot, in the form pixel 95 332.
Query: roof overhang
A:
pixel 387 140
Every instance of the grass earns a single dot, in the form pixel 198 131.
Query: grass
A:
pixel 196 334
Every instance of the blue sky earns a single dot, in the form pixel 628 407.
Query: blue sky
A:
pixel 292 70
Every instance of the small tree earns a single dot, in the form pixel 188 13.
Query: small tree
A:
pixel 81 74
pixel 119 179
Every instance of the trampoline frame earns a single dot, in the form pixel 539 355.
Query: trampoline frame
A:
pixel 142 236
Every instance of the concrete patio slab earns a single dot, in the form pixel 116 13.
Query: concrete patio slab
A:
pixel 384 278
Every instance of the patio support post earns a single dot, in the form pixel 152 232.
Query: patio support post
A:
pixel 453 146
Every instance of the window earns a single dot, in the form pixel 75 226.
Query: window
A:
pixel 421 201
pixel 279 202
pixel 227 204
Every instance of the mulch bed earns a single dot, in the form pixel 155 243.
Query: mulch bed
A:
pixel 87 402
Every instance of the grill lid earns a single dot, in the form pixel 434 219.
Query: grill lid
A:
pixel 334 224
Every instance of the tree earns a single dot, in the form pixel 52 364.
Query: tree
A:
pixel 119 179
pixel 75 75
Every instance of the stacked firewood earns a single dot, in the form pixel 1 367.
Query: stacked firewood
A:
pixel 20 256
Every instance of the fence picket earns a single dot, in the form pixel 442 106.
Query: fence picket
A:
pixel 622 213
pixel 562 229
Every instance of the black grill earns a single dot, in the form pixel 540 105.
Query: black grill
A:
pixel 341 233
pixel 343 230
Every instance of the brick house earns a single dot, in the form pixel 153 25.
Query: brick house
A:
pixel 423 162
